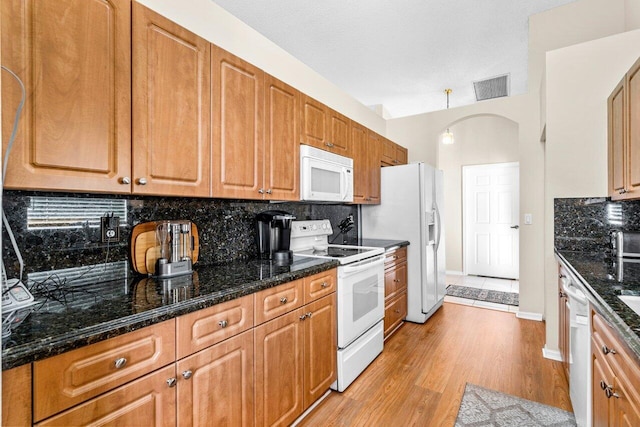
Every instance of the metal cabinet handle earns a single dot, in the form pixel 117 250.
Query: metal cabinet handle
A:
pixel 397 310
pixel 610 393
pixel 261 191
pixel 125 180
pixel 561 294
pixel 269 191
pixel 607 350
pixel 328 144
pixel 324 285
pixel 223 323
pixel 561 276
pixel 309 314
pixel 187 374
pixel 603 385
pixel 171 382
pixel 283 300
pixel 622 191
pixel 142 181
pixel 396 281
pixel 304 316
pixel 119 363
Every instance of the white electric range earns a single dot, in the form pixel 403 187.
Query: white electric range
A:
pixel 360 295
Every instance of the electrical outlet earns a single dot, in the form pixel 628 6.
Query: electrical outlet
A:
pixel 110 228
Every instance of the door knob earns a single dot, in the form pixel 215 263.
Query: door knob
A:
pixel 515 227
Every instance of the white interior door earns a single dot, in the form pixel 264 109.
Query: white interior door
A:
pixel 490 220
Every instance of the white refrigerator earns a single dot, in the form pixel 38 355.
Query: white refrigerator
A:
pixel 411 209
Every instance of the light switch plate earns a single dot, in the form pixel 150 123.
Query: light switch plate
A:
pixel 528 218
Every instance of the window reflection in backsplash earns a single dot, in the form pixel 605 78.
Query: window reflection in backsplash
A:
pixel 226 228
pixel 584 224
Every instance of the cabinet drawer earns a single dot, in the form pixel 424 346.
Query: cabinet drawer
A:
pixel 394 313
pixel 319 285
pixel 148 401
pixel 277 301
pixel 73 377
pixel 395 257
pixel 616 353
pixel 198 330
pixel 395 280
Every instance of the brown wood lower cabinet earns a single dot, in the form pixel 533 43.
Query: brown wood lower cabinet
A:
pixel 395 290
pixel 226 372
pixel 295 361
pixel 147 401
pixel 16 396
pixel 215 385
pixel 615 378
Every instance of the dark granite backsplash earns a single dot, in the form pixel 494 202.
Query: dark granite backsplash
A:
pixel 584 224
pixel 226 228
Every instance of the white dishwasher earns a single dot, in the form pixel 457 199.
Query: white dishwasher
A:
pixel 579 348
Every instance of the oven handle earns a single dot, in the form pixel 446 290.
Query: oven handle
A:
pixel 363 265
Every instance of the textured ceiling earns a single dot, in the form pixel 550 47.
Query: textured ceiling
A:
pixel 401 53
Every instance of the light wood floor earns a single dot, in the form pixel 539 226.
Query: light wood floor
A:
pixel 419 378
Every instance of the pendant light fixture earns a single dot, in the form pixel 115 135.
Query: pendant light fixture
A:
pixel 447 136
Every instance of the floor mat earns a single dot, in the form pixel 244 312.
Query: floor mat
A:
pixel 508 298
pixel 484 407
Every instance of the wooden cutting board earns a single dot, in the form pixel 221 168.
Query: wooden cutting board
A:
pixel 143 250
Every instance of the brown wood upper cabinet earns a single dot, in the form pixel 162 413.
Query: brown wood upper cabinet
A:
pixel 623 107
pixel 366 151
pixel 74 58
pixel 171 108
pixel 255 132
pixel 324 128
pixel 392 153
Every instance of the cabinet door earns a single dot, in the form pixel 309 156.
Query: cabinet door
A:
pixel 314 123
pixel 602 412
pixel 374 150
pixel 361 175
pixel 171 108
pixel 319 285
pixel 279 346
pixel 215 385
pixel 74 58
pixel 339 134
pixel 147 401
pixel 388 152
pixel 394 313
pixel 633 129
pixel 282 142
pixel 238 107
pixel 16 396
pixel 626 408
pixel 616 128
pixel 320 348
pixel 402 155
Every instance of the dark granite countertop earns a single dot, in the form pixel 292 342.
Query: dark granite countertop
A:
pixel 388 245
pixel 82 315
pixel 606 278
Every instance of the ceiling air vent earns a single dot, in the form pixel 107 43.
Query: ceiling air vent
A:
pixel 494 87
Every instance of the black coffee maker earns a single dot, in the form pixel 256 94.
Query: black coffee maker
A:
pixel 273 235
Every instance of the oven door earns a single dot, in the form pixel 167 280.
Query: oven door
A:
pixel 360 298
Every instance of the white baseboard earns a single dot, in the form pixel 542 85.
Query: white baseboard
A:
pixel 529 316
pixel 454 273
pixel 551 354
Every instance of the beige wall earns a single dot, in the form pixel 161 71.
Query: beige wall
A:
pixel 579 80
pixel 567 25
pixel 478 140
pixel 215 24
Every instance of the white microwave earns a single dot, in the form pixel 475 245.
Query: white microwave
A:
pixel 324 176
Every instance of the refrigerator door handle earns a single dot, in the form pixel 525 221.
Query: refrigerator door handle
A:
pixel 435 206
